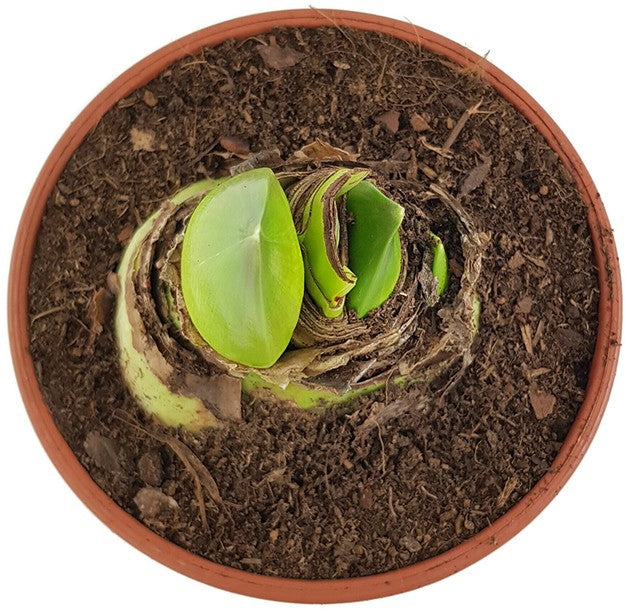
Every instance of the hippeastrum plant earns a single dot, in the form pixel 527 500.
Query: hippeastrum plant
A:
pixel 298 284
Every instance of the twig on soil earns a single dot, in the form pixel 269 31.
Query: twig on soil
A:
pixel 197 480
pixel 90 161
pixel 539 262
pixel 539 333
pixel 427 493
pixel 508 489
pixel 466 361
pixel 379 82
pixel 440 151
pixel 427 171
pixel 383 457
pixel 506 419
pixel 391 502
pixel 459 126
pixel 415 29
pixel 526 334
pixel 335 24
pixel 48 312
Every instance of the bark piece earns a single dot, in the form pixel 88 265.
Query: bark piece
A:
pixel 142 140
pixel 418 123
pixel 390 120
pixel 279 58
pixel 103 451
pixel 97 312
pixel 320 150
pixel 476 177
pixel 234 144
pixel 542 402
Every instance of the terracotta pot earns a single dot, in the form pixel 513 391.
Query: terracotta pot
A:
pixel 320 591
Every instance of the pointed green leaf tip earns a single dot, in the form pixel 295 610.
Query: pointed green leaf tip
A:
pixel 440 264
pixel 242 271
pixel 374 246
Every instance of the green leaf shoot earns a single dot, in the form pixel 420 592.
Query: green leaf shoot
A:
pixel 328 280
pixel 241 269
pixel 440 264
pixel 374 246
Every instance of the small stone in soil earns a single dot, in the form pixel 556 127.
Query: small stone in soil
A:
pixel 234 144
pixel 150 468
pixel 390 120
pixel 103 451
pixel 149 98
pixel 418 123
pixel 152 502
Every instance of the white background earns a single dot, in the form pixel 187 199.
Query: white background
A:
pixel 56 56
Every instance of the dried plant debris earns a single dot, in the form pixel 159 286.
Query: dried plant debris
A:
pixel 279 58
pixel 142 140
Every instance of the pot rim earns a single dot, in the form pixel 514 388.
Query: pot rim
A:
pixel 339 590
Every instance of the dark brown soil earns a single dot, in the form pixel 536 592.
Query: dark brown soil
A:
pixel 308 497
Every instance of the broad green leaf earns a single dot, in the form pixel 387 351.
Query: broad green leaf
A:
pixel 374 246
pixel 328 280
pixel 440 264
pixel 197 189
pixel 241 269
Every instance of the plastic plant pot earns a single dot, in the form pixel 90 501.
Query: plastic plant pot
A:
pixel 318 591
